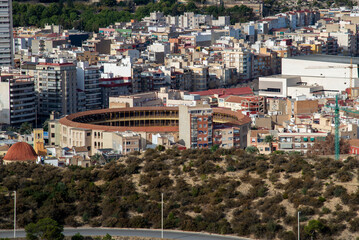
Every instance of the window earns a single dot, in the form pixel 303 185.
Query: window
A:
pixel 128 143
pixel 200 125
pixel 52 126
pixel 52 135
pixel 88 134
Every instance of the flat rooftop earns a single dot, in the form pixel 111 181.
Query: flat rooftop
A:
pixel 281 76
pixel 327 58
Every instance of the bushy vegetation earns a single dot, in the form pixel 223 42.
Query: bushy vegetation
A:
pixel 221 191
pixel 90 17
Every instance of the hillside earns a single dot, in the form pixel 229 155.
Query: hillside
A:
pixel 89 17
pixel 227 192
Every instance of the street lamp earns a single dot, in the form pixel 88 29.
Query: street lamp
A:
pixel 161 215
pixel 298 225
pixel 14 214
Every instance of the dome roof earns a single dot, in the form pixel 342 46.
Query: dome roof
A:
pixel 20 151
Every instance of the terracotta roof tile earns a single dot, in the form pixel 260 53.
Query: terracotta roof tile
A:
pixel 226 91
pixel 21 151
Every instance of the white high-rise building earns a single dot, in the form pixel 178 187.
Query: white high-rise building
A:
pixel 6 34
pixel 88 82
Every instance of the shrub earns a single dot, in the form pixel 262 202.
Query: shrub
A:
pixel 77 236
pixel 354 225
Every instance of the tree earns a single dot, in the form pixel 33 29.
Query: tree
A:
pixel 45 228
pixel 214 148
pixel 45 125
pixel 314 227
pixel 107 237
pixel 327 147
pixel 77 236
pixel 160 148
pixel 269 139
pixel 108 3
pixel 252 149
pixel 25 128
pixel 98 159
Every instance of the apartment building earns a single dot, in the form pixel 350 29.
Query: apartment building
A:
pixel 88 81
pixel 136 100
pixel 6 39
pixel 56 86
pixel 195 126
pixel 17 99
pixel 122 142
pixel 299 142
pixel 228 136
pixel 113 87
pixel 181 79
pixel 241 59
pixel 256 138
pixel 248 104
pixel 200 77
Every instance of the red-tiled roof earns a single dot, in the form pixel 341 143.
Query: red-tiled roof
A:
pixel 239 99
pixel 354 142
pixel 21 151
pixel 239 119
pixel 226 91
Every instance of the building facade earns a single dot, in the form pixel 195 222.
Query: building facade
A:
pixel 57 88
pixel 88 81
pixel 17 99
pixel 6 35
pixel 195 126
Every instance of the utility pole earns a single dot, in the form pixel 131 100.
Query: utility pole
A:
pixel 161 215
pixel 298 225
pixel 14 214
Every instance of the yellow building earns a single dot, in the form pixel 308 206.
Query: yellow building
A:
pixel 39 144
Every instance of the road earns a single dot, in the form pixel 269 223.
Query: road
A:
pixel 130 232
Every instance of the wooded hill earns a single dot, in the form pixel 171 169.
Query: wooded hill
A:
pixel 226 192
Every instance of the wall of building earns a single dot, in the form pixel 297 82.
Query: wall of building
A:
pixel 4 103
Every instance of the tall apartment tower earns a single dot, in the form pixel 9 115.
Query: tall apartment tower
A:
pixel 17 99
pixel 88 82
pixel 6 34
pixel 196 125
pixel 56 86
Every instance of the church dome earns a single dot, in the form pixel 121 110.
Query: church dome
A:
pixel 20 151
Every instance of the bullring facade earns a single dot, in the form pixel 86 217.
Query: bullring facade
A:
pixel 106 128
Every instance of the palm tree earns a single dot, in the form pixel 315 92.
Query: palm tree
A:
pixel 252 149
pixel 269 139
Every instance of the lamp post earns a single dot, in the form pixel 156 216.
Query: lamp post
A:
pixel 161 215
pixel 14 214
pixel 298 225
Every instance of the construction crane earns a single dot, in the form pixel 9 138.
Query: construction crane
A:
pixel 351 67
pixel 336 123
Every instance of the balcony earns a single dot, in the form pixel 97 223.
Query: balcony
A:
pixel 286 145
